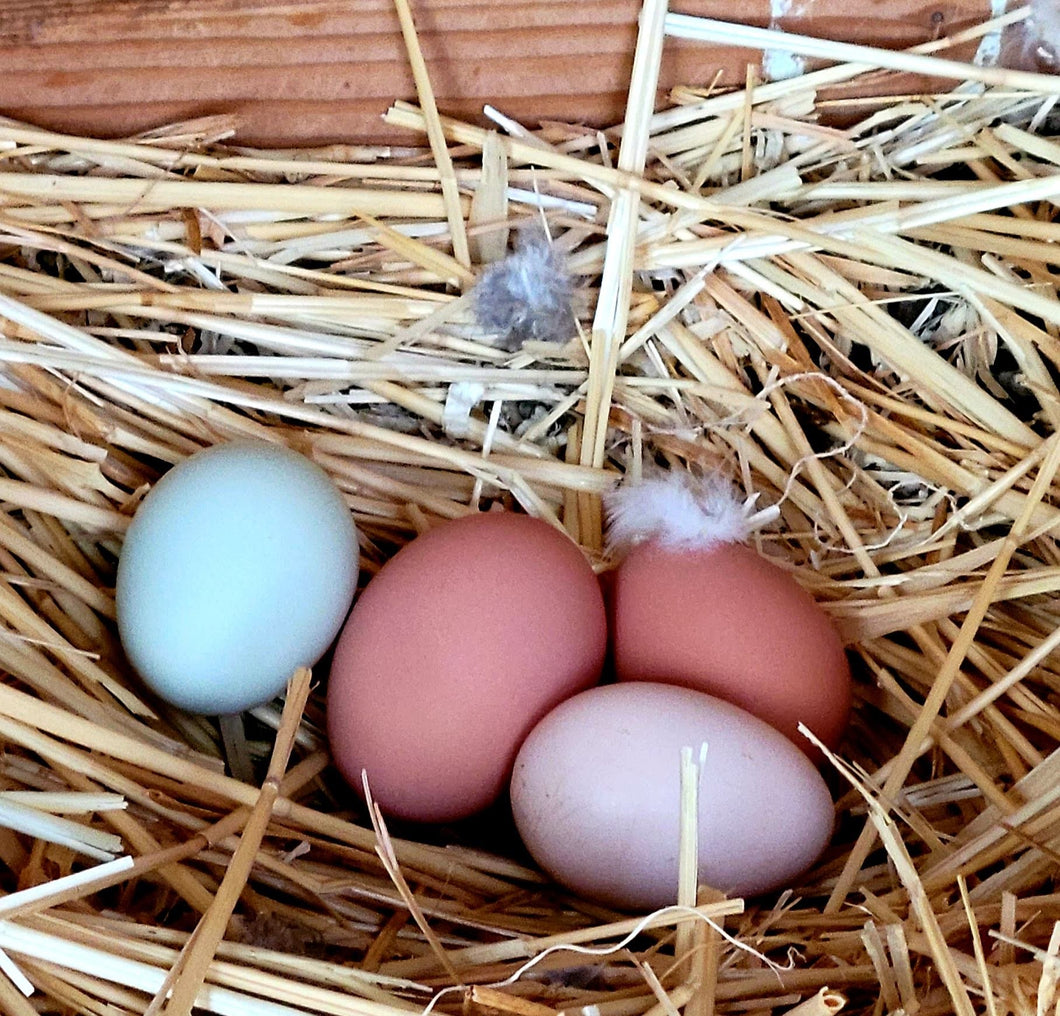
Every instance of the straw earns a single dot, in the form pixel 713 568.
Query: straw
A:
pixel 684 26
pixel 188 973
pixel 841 299
pixel 451 195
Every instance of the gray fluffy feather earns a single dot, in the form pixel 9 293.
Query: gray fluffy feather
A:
pixel 527 296
pixel 1045 20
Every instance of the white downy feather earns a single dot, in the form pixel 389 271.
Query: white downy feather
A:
pixel 681 512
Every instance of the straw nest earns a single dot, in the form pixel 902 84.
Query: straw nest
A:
pixel 858 322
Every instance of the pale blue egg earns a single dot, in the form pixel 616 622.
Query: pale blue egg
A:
pixel 239 567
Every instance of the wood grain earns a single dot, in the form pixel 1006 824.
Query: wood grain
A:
pixel 307 72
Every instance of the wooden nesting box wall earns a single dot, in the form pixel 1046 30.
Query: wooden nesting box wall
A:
pixel 306 72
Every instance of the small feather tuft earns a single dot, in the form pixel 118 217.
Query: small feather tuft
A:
pixel 1034 44
pixel 681 512
pixel 527 295
pixel 1045 21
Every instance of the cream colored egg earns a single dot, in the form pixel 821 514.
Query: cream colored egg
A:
pixel 596 796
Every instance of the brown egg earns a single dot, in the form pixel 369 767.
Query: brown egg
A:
pixel 462 642
pixel 728 622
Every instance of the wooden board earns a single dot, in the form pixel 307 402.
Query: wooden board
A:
pixel 305 72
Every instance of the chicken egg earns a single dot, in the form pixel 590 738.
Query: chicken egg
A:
pixel 239 567
pixel 455 649
pixel 691 605
pixel 596 796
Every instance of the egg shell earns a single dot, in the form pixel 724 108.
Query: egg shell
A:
pixel 596 795
pixel 239 567
pixel 729 622
pixel 460 644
